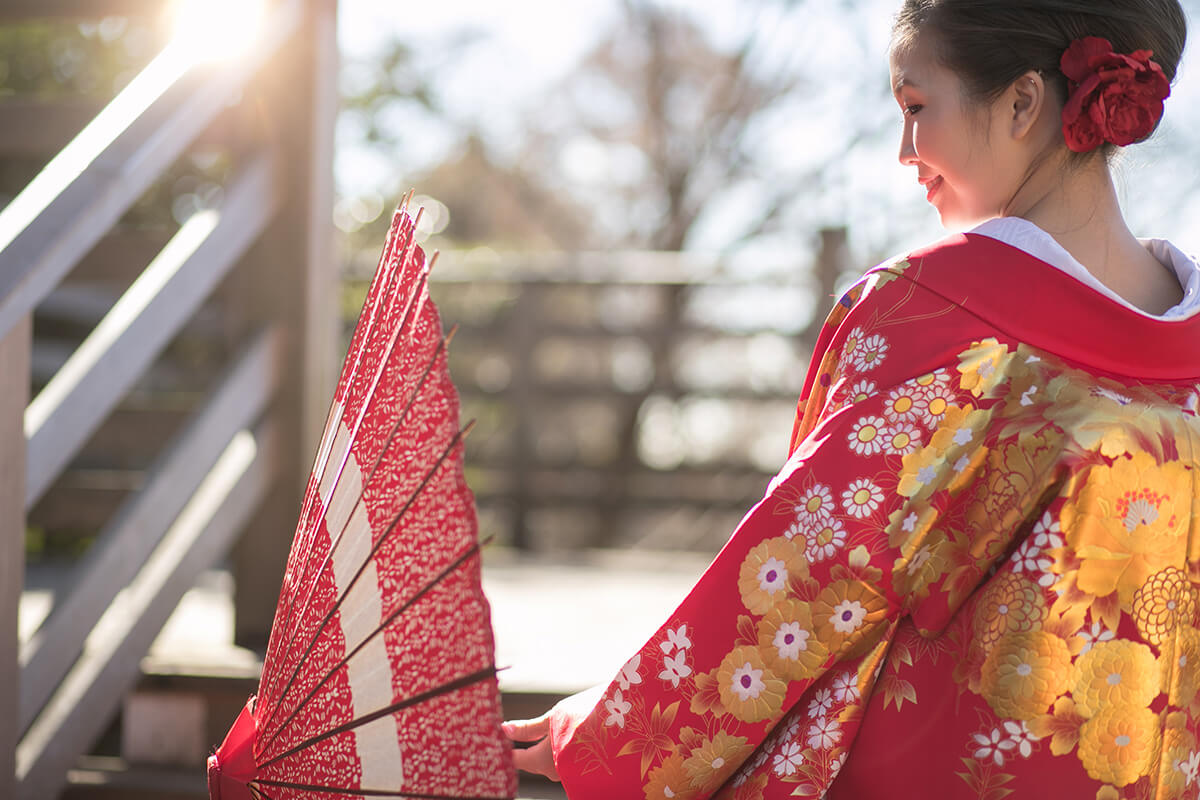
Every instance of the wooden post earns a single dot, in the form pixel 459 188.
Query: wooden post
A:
pixel 294 280
pixel 14 365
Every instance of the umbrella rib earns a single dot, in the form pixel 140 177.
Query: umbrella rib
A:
pixel 458 683
pixel 308 787
pixel 362 568
pixel 391 438
pixel 377 313
pixel 410 303
pixel 458 562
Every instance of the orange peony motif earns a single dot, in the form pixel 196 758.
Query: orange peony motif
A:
pixel 1129 522
pixel 1115 673
pixel 711 763
pixel 787 642
pixel 1025 673
pixel 1118 745
pixel 764 576
pixel 749 690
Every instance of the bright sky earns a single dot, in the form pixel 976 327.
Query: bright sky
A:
pixel 528 44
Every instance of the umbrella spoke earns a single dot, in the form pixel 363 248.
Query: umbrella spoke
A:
pixel 458 683
pixel 459 561
pixel 391 527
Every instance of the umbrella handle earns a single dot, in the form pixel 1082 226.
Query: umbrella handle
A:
pixel 232 767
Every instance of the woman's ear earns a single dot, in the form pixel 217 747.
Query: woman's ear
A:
pixel 1027 99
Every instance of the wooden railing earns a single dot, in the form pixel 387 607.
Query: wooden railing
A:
pixel 240 458
pixel 576 376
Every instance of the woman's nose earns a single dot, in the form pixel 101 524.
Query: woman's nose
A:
pixel 908 153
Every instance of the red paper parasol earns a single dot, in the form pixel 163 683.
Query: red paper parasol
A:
pixel 379 677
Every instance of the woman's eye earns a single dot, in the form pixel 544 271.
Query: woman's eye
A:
pixel 911 110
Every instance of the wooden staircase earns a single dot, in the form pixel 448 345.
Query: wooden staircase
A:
pixel 164 383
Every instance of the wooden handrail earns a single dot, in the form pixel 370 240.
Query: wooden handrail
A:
pixel 129 538
pixel 86 389
pixel 86 701
pixel 85 189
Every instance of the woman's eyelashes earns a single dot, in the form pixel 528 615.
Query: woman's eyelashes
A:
pixel 910 110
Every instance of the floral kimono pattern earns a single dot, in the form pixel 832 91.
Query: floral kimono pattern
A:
pixel 976 576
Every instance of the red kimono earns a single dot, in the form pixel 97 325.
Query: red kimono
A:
pixel 976 576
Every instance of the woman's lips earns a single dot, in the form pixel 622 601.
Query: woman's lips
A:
pixel 931 187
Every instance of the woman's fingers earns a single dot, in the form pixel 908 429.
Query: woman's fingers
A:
pixel 527 730
pixel 537 759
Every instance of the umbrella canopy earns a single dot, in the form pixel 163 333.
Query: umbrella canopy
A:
pixel 379 677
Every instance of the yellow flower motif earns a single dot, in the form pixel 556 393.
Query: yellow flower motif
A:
pixel 749 690
pixel 921 473
pixel 1178 666
pixel 1129 522
pixel 669 781
pixel 962 429
pixel 1119 745
pixel 1103 415
pixel 1165 602
pixel 1025 673
pixel 1010 603
pixel 1116 672
pixel 715 760
pixel 845 612
pixel 983 367
pixel 787 642
pixel 766 571
pixel 922 561
pixel 1177 746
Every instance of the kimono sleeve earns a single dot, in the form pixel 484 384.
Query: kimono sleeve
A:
pixel 815 578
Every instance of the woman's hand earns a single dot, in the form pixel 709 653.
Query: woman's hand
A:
pixel 539 758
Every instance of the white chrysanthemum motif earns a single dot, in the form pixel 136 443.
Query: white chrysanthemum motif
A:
pixel 901 404
pixel 867 436
pixel 862 498
pixel 847 616
pixel 871 353
pixel 902 438
pixel 860 391
pixel 933 402
pixel 825 541
pixel 814 505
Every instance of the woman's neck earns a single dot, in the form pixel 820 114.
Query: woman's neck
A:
pixel 1078 207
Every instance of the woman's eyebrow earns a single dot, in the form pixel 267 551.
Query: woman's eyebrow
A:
pixel 904 81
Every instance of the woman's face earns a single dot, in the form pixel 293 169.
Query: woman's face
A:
pixel 959 149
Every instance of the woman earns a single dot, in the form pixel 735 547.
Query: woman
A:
pixel 978 573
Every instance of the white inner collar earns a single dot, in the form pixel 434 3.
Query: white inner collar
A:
pixel 1024 235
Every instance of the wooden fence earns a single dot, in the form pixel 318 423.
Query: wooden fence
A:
pixel 628 399
pixel 107 324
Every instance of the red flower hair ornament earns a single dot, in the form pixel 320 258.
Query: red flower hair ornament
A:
pixel 1113 97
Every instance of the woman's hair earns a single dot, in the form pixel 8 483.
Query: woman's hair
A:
pixel 991 43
